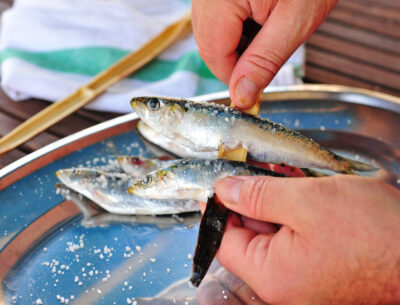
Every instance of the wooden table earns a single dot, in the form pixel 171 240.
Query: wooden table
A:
pixel 358 45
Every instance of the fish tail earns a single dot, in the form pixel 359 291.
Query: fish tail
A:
pixel 353 166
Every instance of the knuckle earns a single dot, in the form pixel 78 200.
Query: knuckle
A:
pixel 266 64
pixel 256 196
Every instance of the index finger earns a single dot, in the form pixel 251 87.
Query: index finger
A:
pixel 217 28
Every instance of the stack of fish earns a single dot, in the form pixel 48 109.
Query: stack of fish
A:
pixel 196 130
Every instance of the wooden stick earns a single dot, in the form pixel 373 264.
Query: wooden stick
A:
pixel 100 83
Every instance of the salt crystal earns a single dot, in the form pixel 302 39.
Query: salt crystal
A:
pixel 39 301
pixel 98 291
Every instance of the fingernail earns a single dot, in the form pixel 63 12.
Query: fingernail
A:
pixel 246 92
pixel 228 189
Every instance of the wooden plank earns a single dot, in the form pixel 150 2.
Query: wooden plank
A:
pixel 25 109
pixel 377 25
pixel 97 116
pixel 322 75
pixel 358 52
pixel 10 157
pixel 371 9
pixel 387 3
pixel 4 6
pixel 360 36
pixel 7 124
pixel 350 67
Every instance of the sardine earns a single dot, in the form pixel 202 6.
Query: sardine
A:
pixel 192 179
pixel 95 216
pixel 138 166
pixel 196 179
pixel 110 192
pixel 205 126
pixel 170 145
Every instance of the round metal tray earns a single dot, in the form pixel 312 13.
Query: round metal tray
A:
pixel 49 250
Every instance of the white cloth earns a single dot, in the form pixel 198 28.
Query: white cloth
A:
pixel 49 48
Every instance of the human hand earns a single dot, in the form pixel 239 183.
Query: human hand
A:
pixel 217 27
pixel 338 243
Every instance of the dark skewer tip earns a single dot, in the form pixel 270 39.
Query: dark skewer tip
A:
pixel 196 279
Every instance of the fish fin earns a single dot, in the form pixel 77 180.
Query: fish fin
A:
pixel 354 166
pixel 191 145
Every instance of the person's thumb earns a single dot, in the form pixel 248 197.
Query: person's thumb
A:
pixel 265 198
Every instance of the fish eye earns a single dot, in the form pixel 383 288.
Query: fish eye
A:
pixel 153 104
pixel 147 180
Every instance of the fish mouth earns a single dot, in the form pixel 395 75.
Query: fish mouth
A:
pixel 131 190
pixel 136 101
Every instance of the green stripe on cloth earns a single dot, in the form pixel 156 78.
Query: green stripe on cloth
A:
pixel 92 60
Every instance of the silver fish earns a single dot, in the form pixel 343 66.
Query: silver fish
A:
pixel 94 216
pixel 205 126
pixel 157 138
pixel 192 179
pixel 196 179
pixel 138 166
pixel 110 192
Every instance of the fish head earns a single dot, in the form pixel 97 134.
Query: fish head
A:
pixel 159 112
pixel 149 186
pixel 71 176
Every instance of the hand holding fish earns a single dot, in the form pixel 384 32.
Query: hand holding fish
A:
pixel 337 243
pixel 217 26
